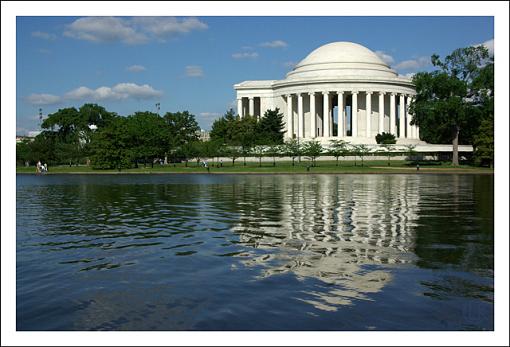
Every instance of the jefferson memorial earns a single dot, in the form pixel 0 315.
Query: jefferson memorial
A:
pixel 341 90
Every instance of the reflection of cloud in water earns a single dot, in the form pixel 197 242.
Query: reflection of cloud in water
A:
pixel 344 231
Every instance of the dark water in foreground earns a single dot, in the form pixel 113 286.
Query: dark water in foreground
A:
pixel 199 252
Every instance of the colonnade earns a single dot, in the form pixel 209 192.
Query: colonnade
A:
pixel 404 129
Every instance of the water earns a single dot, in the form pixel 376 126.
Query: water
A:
pixel 284 252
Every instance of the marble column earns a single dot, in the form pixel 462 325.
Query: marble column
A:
pixel 301 128
pixel 402 118
pixel 408 120
pixel 252 106
pixel 381 112
pixel 313 116
pixel 325 114
pixel 290 118
pixel 393 129
pixel 340 126
pixel 368 103
pixel 240 107
pixel 354 112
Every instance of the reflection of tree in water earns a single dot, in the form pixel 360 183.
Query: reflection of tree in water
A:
pixel 456 232
pixel 331 228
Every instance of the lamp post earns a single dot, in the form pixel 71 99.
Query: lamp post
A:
pixel 40 117
pixel 157 107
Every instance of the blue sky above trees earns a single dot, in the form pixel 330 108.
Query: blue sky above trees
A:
pixel 129 64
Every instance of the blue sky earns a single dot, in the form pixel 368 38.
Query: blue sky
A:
pixel 128 64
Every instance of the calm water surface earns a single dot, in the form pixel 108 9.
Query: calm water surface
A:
pixel 211 252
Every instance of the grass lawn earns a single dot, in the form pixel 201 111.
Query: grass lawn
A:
pixel 282 167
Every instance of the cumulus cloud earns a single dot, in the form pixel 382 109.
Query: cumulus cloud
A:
pixel 120 91
pixel 104 29
pixel 165 27
pixel 135 30
pixel 413 64
pixel 388 59
pixel 136 68
pixel 43 35
pixel 43 99
pixel 194 71
pixel 245 55
pixel 274 44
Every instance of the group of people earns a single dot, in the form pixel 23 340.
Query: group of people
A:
pixel 41 168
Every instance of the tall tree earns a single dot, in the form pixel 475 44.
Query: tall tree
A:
pixel 225 129
pixel 182 127
pixel 149 136
pixel 445 100
pixel 271 127
pixel 112 146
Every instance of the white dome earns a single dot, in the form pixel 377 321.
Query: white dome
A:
pixel 341 59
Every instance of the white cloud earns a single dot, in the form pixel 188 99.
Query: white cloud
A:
pixel 194 71
pixel 165 27
pixel 136 68
pixel 210 114
pixel 244 55
pixel 413 64
pixel 388 59
pixel 135 30
pixel 489 44
pixel 43 35
pixel 104 29
pixel 120 91
pixel 274 44
pixel 43 99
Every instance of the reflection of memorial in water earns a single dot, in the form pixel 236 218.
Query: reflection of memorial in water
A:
pixel 346 231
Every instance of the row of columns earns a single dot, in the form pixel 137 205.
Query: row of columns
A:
pixel 405 126
pixel 251 106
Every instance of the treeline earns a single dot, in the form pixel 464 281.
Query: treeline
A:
pixel 92 135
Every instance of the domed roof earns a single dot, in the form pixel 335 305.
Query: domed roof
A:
pixel 340 59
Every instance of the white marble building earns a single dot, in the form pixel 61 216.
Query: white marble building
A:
pixel 340 90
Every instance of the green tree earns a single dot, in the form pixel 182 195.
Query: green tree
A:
pixel 271 128
pixel 385 138
pixel 182 128
pixel 292 149
pixel 259 151
pixel 388 149
pixel 149 136
pixel 484 143
pixel 232 152
pixel 361 151
pixel 112 146
pixel 274 150
pixel 247 135
pixel 411 152
pixel 338 148
pixel 312 150
pixel 446 98
pixel 225 129
pixel 24 152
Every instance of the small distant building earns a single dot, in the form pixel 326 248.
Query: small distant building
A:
pixel 203 135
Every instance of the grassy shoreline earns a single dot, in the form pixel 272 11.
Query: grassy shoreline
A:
pixel 281 168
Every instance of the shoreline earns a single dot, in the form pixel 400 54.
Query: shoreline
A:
pixel 396 172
